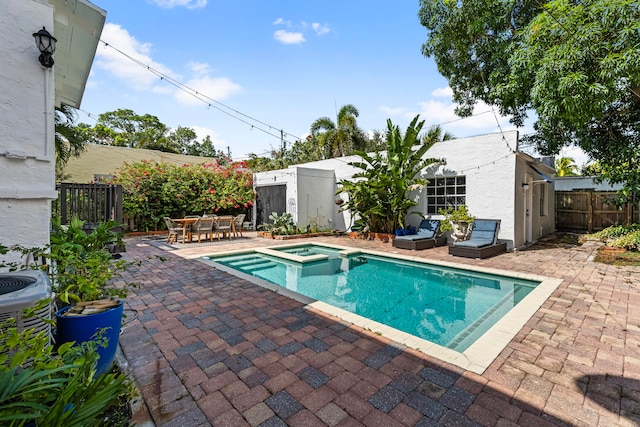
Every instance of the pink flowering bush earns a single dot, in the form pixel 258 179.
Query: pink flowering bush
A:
pixel 152 191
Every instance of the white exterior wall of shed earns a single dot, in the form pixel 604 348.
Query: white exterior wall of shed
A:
pixel 27 156
pixel 314 188
pixel 341 169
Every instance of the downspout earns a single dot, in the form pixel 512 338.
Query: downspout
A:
pixel 47 112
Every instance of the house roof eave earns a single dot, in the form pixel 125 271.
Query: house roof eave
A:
pixel 78 25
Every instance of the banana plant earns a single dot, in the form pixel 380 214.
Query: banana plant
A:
pixel 379 194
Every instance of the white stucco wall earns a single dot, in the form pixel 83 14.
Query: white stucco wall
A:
pixel 488 163
pixel 27 158
pixel 494 173
pixel 532 221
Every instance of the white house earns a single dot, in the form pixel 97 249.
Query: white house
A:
pixel 487 173
pixel 29 92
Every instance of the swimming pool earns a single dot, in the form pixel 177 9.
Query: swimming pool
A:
pixel 438 307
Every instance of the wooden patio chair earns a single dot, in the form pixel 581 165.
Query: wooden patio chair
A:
pixel 203 226
pixel 224 225
pixel 237 224
pixel 174 229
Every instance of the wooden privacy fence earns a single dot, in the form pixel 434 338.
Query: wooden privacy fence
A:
pixel 591 210
pixel 92 203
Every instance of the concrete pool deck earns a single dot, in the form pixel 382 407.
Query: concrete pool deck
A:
pixel 208 348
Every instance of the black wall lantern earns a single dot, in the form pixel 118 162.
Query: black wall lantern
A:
pixel 46 45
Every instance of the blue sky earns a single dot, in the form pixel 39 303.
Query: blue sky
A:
pixel 275 65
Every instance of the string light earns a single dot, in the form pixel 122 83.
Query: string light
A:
pixel 281 135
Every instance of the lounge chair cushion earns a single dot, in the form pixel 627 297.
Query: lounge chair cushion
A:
pixel 426 230
pixel 484 233
pixel 474 243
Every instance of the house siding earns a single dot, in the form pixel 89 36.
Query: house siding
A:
pixel 27 157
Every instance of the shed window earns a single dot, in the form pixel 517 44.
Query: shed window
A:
pixel 543 207
pixel 443 192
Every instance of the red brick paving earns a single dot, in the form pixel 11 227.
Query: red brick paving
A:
pixel 207 348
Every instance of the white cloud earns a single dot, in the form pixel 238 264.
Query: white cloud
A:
pixel 189 4
pixel 218 88
pixel 121 66
pixel 443 113
pixel 297 37
pixel 199 68
pixel 442 92
pixel 288 37
pixel 281 21
pixel 320 29
pixel 203 132
pixel 398 111
pixel 140 78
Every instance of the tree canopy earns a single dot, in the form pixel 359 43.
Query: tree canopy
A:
pixel 576 64
pixel 125 128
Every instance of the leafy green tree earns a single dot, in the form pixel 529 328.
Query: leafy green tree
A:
pixel 380 193
pixel 566 166
pixel 341 138
pixel 576 64
pixel 125 128
pixel 205 148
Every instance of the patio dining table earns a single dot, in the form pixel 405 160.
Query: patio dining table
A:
pixel 186 222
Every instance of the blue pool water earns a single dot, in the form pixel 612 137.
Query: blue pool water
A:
pixel 447 306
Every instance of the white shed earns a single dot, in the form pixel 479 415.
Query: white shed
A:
pixel 487 173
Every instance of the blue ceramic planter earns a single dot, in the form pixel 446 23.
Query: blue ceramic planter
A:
pixel 83 328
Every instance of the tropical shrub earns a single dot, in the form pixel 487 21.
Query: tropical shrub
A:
pixel 152 191
pixel 81 262
pixel 379 195
pixel 43 387
pixel 280 225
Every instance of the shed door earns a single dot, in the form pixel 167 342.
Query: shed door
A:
pixel 271 198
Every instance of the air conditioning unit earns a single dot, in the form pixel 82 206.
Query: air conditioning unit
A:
pixel 23 289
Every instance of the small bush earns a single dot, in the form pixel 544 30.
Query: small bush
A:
pixel 614 231
pixel 630 241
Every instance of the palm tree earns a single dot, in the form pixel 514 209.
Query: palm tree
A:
pixel 68 142
pixel 436 134
pixel 566 166
pixel 342 138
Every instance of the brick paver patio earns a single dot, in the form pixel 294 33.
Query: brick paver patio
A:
pixel 207 348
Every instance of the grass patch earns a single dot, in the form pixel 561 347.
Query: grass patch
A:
pixel 628 258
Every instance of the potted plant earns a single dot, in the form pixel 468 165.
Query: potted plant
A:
pixel 47 387
pixel 458 220
pixel 81 265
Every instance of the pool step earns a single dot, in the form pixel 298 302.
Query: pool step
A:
pixel 264 265
pixel 469 331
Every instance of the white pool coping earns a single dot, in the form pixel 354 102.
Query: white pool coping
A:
pixel 476 358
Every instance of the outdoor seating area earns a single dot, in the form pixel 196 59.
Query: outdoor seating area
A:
pixel 203 228
pixel 427 236
pixel 483 242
